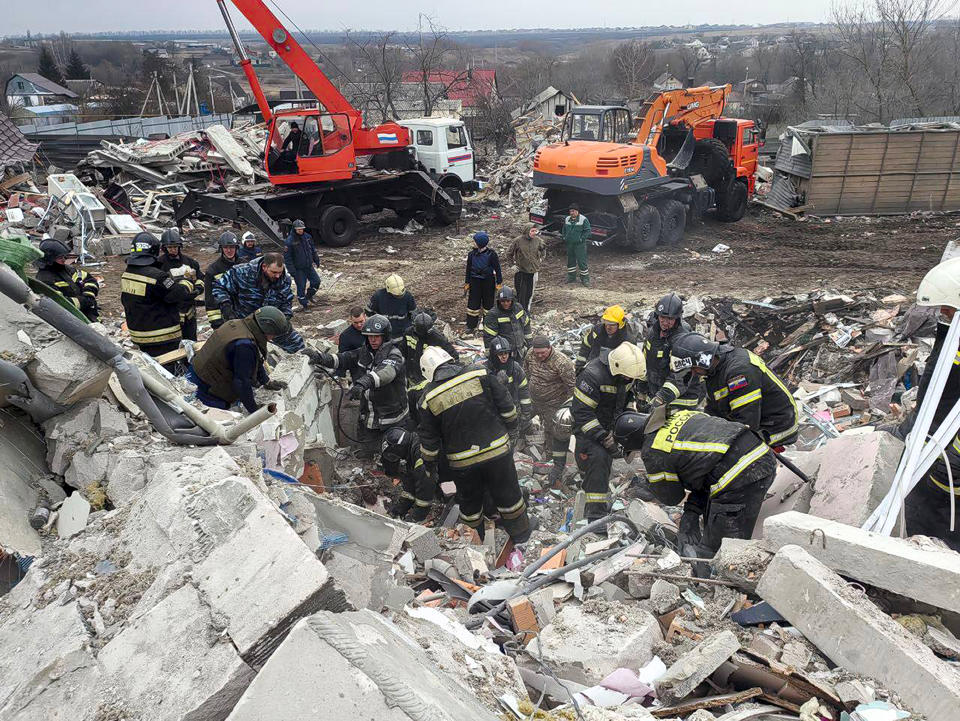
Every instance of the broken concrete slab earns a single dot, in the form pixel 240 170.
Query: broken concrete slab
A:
pixel 583 644
pixel 742 562
pixel 22 458
pixel 82 427
pixel 232 152
pixel 664 596
pixel 67 373
pixel 788 491
pixel 370 669
pixel 371 530
pixel 913 568
pixel 691 669
pixel 856 471
pixel 852 632
pixel 423 542
pixel 365 578
pixel 73 515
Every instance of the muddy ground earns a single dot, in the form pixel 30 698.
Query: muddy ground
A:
pixel 769 255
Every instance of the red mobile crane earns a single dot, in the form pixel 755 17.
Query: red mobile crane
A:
pixel 317 179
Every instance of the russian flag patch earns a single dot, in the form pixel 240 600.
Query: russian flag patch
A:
pixel 737 382
pixel 387 138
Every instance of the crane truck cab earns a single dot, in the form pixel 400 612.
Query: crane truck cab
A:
pixel 443 147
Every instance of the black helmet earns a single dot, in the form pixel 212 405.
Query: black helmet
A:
pixel 423 322
pixel 670 306
pixel 506 293
pixel 227 238
pixel 376 325
pixel 171 236
pixel 499 345
pixel 628 430
pixel 299 224
pixel 53 249
pixel 146 248
pixel 271 320
pixel 396 445
pixel 692 350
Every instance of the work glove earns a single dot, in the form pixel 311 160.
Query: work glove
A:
pixel 273 385
pixel 689 532
pixel 363 384
pixel 499 286
pixel 190 274
pixel 319 358
pixel 227 311
pixel 87 303
pixel 608 442
pixel 656 402
pixel 466 287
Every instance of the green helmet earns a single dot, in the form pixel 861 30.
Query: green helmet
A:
pixel 271 321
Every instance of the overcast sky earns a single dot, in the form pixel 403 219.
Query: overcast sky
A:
pixel 47 16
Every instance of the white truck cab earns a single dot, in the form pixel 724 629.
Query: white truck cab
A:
pixel 443 146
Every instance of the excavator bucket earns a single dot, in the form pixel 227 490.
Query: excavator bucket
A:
pixel 683 157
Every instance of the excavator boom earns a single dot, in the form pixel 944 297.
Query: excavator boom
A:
pixel 687 106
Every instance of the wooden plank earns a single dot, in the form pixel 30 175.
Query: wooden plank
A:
pixel 177 355
pixel 689 707
pixel 15 180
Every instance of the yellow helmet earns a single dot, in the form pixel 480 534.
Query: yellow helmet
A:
pixel 615 314
pixel 394 284
pixel 628 360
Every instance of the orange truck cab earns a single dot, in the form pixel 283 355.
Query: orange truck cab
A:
pixel 742 138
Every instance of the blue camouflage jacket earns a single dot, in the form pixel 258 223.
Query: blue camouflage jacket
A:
pixel 246 288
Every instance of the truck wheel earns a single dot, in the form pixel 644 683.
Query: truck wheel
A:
pixel 732 205
pixel 448 213
pixel 338 226
pixel 643 228
pixel 673 220
pixel 712 161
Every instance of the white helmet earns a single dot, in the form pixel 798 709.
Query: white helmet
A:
pixel 433 357
pixel 628 360
pixel 941 285
pixel 394 284
pixel 248 236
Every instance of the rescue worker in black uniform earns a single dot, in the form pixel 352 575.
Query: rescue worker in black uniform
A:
pixel 228 258
pixel 724 465
pixel 173 260
pixel 75 284
pixel 508 319
pixel 604 390
pixel 379 380
pixel 468 415
pixel 419 336
pixel 500 363
pixel 395 302
pixel 151 299
pixel 664 387
pixel 739 387
pixel 611 331
pixel 229 365
pixel 400 458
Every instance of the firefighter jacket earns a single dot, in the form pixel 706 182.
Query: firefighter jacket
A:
pixel 230 362
pixel 704 454
pixel 172 264
pixel 675 389
pixel 385 404
pixel 75 284
pixel 246 288
pixel 596 339
pixel 397 309
pixel 151 300
pixel 245 254
pixel 741 388
pixel 598 398
pixel 511 376
pixel 551 381
pixel 513 324
pixel 482 265
pixel 951 390
pixel 938 476
pixel 216 269
pixel 467 414
pixel 413 347
pixel 418 488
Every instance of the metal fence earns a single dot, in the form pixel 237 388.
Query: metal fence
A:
pixel 130 127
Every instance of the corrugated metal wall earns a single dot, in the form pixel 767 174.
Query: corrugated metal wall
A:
pixel 133 127
pixel 885 173
pixel 65 151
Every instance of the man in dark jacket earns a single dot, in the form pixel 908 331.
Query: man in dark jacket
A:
pixel 302 261
pixel 468 415
pixel 664 387
pixel 611 331
pixel 179 265
pixel 261 282
pixel 75 284
pixel 229 365
pixel 482 279
pixel 249 249
pixel 228 258
pixel 739 387
pixel 352 337
pixel 152 298
pixel 510 320
pixel 504 368
pixel 419 336
pixel 724 465
pixel 395 302
pixel 400 458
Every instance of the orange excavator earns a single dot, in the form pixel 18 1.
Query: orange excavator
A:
pixel 311 156
pixel 640 180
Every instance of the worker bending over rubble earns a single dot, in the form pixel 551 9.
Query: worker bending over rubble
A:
pixel 482 280
pixel 500 364
pixel 724 465
pixel 395 302
pixel 739 387
pixel 229 365
pixel 509 320
pixel 173 260
pixel 469 416
pixel 152 298
pixel 261 282
pixel 400 458
pixel 419 336
pixel 551 377
pixel 227 244
pixel 75 284
pixel 604 390
pixel 664 387
pixel 611 331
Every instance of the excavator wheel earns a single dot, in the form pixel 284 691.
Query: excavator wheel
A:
pixel 338 226
pixel 712 161
pixel 732 204
pixel 673 220
pixel 448 213
pixel 643 228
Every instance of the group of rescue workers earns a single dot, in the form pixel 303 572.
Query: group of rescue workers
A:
pixel 434 416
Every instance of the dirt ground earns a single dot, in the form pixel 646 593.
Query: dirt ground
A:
pixel 769 255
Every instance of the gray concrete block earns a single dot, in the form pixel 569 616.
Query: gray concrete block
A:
pixel 912 568
pixel 87 468
pixel 664 596
pixel 126 476
pixel 742 562
pixel 22 455
pixel 369 669
pixel 852 632
pixel 423 542
pixel 365 577
pixel 86 423
pixel 67 373
pixel 788 492
pixel 691 669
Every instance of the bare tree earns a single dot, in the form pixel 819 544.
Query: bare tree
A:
pixel 492 121
pixel 632 65
pixel 439 64
pixel 381 57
